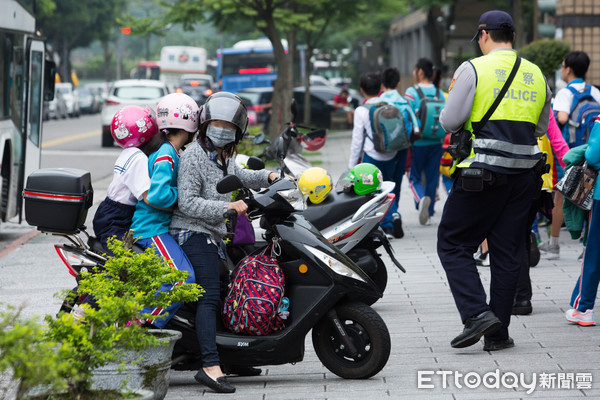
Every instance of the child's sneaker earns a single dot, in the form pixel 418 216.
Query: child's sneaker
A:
pixel 581 318
pixel 483 260
pixel 549 252
pixel 424 210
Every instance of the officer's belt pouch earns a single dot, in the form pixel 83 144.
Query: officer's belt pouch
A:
pixel 473 179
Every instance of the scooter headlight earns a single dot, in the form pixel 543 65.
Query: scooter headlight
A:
pixel 294 197
pixel 337 266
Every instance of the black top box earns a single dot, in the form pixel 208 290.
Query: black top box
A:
pixel 57 199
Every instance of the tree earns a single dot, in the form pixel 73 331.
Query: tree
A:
pixel 330 16
pixel 278 19
pixel 70 25
pixel 546 54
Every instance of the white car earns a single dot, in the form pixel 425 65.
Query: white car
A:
pixel 127 92
pixel 71 99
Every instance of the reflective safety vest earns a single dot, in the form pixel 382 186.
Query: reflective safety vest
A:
pixel 506 143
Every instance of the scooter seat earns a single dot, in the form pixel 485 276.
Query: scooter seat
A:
pixel 335 208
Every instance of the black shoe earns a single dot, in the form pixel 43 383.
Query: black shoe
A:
pixel 221 385
pixel 493 345
pixel 397 230
pixel 534 251
pixel 475 327
pixel 522 308
pixel 241 371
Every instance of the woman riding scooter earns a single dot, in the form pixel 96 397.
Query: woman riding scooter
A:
pixel 198 224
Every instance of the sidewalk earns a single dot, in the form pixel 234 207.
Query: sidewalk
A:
pixel 418 310
pixel 422 319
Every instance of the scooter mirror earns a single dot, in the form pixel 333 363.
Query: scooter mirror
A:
pixel 261 138
pixel 282 146
pixel 228 184
pixel 255 163
pixel 294 109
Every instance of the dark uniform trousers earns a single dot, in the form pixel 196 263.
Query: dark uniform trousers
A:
pixel 499 213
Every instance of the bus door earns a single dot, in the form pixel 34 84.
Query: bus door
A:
pixel 34 104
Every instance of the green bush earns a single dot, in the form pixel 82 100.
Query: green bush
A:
pixel 546 54
pixel 26 357
pixel 128 282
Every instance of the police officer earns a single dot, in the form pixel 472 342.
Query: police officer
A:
pixel 495 184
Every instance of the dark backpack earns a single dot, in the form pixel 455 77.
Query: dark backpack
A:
pixel 584 111
pixel 390 127
pixel 255 293
pixel 429 115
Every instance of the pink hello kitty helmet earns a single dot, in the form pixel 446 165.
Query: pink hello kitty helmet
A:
pixel 133 126
pixel 179 111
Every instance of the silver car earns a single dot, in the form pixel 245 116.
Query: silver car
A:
pixel 55 108
pixel 71 99
pixel 127 92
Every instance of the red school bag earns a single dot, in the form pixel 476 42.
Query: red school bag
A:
pixel 255 292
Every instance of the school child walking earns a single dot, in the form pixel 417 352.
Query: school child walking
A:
pixel 427 101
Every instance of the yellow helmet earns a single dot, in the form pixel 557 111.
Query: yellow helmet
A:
pixel 316 183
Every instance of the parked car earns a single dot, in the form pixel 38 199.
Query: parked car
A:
pixel 56 108
pixel 100 90
pixel 197 86
pixel 71 99
pixel 88 100
pixel 321 102
pixel 127 92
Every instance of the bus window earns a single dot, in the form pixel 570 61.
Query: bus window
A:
pixel 35 92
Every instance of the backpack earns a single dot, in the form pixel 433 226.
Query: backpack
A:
pixel 584 111
pixel 255 293
pixel 429 115
pixel 390 127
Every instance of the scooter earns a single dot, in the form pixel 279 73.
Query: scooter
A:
pixel 323 287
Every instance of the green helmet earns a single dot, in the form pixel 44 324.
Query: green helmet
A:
pixel 365 178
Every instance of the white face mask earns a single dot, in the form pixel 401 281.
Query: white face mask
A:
pixel 220 137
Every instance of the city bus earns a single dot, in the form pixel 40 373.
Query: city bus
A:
pixel 26 80
pixel 249 64
pixel 176 61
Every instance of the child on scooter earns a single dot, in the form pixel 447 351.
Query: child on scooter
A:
pixel 132 128
pixel 177 119
pixel 198 223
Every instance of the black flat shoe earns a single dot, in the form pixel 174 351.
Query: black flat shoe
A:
pixel 221 385
pixel 241 371
pixel 493 345
pixel 475 327
pixel 522 308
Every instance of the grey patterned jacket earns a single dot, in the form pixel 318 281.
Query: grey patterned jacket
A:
pixel 200 206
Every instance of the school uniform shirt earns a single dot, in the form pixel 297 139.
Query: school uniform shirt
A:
pixel 130 181
pixel 564 98
pixel 130 177
pixel 362 127
pixel 162 169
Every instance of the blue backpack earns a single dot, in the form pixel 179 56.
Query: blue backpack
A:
pixel 429 115
pixel 584 111
pixel 391 127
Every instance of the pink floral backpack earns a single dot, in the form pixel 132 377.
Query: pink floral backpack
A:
pixel 255 293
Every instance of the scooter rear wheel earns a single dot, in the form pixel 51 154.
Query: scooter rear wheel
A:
pixel 368 333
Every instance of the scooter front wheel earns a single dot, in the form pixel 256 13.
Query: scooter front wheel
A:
pixel 367 332
pixel 380 278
